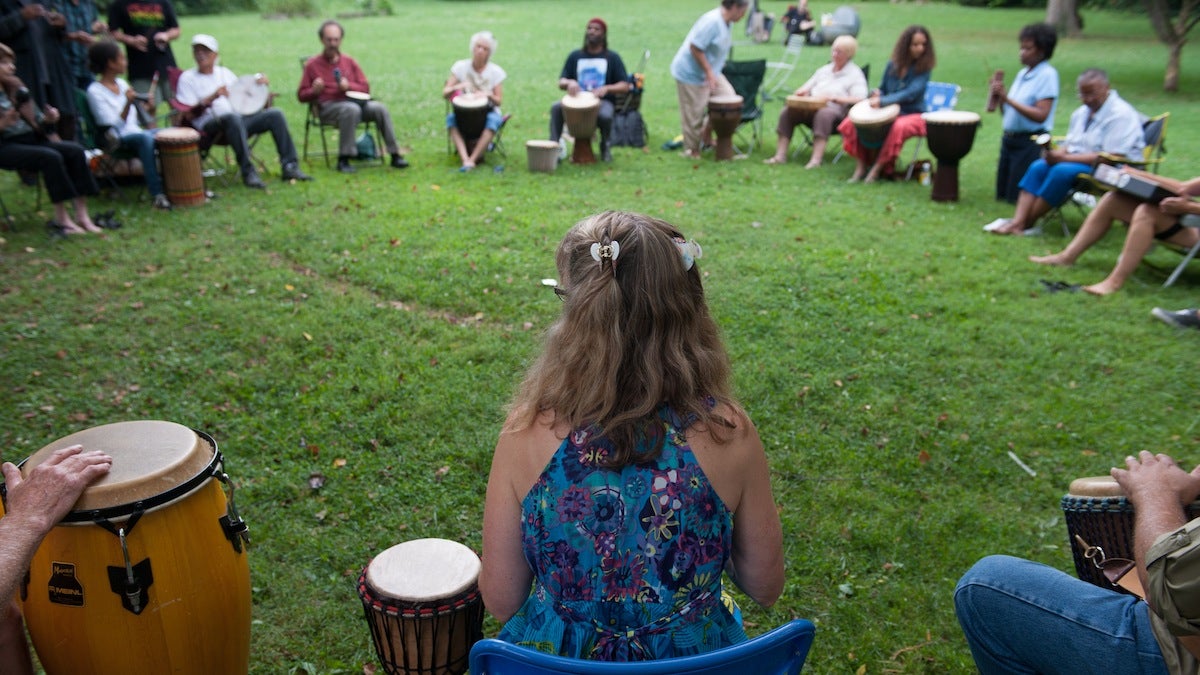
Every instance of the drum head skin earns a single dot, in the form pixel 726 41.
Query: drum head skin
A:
pixel 542 145
pixel 863 113
pixel 470 101
pixel 358 95
pixel 1096 486
pixel 247 96
pixel 177 136
pixel 423 570
pixel 951 117
pixel 149 458
pixel 806 102
pixel 583 100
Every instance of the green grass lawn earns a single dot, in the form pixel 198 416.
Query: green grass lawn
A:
pixel 370 328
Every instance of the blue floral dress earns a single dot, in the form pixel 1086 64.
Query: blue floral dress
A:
pixel 627 562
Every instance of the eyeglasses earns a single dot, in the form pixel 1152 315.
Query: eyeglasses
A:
pixel 562 295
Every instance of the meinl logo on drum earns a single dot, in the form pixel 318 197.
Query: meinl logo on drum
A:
pixel 64 588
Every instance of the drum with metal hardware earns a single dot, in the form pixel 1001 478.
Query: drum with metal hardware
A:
pixel 148 573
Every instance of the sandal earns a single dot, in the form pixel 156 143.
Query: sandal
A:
pixel 56 229
pixel 1056 286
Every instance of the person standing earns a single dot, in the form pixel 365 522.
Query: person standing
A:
pixel 597 69
pixel 329 78
pixel 31 30
pixel 1027 108
pixel 206 88
pixel 146 28
pixel 83 24
pixel 697 71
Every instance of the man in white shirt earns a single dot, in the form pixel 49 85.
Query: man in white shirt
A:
pixel 205 90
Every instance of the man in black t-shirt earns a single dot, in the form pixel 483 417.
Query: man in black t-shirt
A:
pixel 146 28
pixel 597 69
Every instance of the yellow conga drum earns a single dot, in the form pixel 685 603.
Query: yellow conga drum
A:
pixel 724 115
pixel 148 573
pixel 421 600
pixel 581 112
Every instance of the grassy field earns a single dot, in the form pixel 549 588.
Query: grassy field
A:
pixel 368 329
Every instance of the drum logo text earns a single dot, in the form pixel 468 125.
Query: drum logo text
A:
pixel 63 587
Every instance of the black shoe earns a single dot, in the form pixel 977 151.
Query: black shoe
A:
pixel 398 161
pixel 1184 318
pixel 344 165
pixel 251 179
pixel 291 171
pixel 605 153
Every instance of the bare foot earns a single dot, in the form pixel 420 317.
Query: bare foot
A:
pixel 812 165
pixel 872 175
pixel 89 225
pixel 1103 288
pixel 69 227
pixel 775 160
pixel 1057 259
pixel 856 176
pixel 1011 228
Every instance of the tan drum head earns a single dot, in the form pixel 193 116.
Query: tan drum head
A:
pixel 1095 486
pixel 247 96
pixel 583 100
pixel 470 101
pixel 422 570
pixel 177 136
pixel 149 458
pixel 358 95
pixel 796 102
pixel 863 114
pixel 542 145
pixel 951 117
pixel 725 100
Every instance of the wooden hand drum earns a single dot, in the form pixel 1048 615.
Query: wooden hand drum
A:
pixel 724 115
pixel 581 112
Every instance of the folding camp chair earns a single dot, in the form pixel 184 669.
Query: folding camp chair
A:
pixel 212 165
pixel 1189 220
pixel 1087 189
pixel 627 107
pixel 746 77
pixel 938 96
pixel 778 652
pixel 102 146
pixel 312 121
pixel 495 146
pixel 778 72
pixel 806 138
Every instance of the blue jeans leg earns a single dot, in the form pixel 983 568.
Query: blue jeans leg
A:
pixel 1024 617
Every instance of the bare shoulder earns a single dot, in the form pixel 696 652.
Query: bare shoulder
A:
pixel 729 456
pixel 522 451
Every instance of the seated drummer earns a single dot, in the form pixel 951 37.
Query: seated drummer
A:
pixel 204 90
pixel 842 83
pixel 1147 223
pixel 904 80
pixel 597 69
pixel 1105 123
pixel 476 75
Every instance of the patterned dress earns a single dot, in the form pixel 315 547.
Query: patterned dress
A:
pixel 627 562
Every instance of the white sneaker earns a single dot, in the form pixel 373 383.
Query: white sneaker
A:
pixel 1087 201
pixel 996 224
pixel 562 148
pixel 1035 231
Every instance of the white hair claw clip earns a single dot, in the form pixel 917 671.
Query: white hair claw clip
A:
pixel 690 251
pixel 608 251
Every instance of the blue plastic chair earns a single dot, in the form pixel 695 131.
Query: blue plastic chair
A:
pixel 780 651
pixel 938 96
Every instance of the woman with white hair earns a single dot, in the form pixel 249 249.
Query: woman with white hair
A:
pixel 476 75
pixel 841 83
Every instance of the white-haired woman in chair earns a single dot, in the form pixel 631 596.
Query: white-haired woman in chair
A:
pixel 1147 223
pixel 627 479
pixel 841 83
pixel 476 75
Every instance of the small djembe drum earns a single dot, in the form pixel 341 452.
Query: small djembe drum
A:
pixel 950 134
pixel 1097 510
pixel 422 603
pixel 581 112
pixel 149 572
pixel 806 104
pixel 872 124
pixel 470 114
pixel 179 152
pixel 724 115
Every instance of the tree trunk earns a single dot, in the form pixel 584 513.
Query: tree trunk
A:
pixel 1171 78
pixel 1064 16
pixel 1172 31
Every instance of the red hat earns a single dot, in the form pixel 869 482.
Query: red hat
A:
pixel 600 21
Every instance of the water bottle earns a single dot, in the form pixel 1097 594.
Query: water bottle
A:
pixel 924 174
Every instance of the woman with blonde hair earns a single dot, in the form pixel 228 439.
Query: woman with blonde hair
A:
pixel 841 83
pixel 627 478
pixel 476 75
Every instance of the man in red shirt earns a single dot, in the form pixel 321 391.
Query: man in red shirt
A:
pixel 340 89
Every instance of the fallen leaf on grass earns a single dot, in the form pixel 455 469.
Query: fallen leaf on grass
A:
pixel 316 480
pixel 862 670
pixel 440 473
pixel 923 457
pixel 339 462
pixel 320 515
pixel 368 669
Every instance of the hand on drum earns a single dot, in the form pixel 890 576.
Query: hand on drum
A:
pixel 53 486
pixel 1149 476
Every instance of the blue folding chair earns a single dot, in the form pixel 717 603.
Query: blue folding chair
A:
pixel 938 96
pixel 781 651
